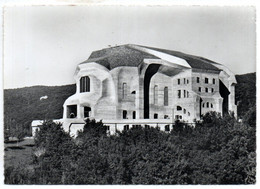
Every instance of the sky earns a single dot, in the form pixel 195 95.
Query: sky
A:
pixel 44 44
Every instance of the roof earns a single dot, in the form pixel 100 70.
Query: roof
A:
pixel 131 55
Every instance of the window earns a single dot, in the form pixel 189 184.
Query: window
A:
pixel 166 96
pixel 203 105
pixel 213 81
pixel 124 114
pixel 199 89
pixel 155 94
pixel 180 117
pixel 211 105
pixel 179 93
pixel 166 117
pixel 179 81
pixel 71 111
pixel 87 111
pixel 133 114
pixel 155 116
pixel 107 127
pixel 167 127
pixel 187 81
pixel 124 90
pixel 184 80
pixel 147 126
pixel 177 117
pixel 212 90
pixel 133 92
pixel 207 104
pixel 188 94
pixel 206 80
pixel 184 93
pixel 126 127
pixel 198 80
pixel 84 84
pixel 184 111
pixel 206 90
pixel 188 113
pixel 179 108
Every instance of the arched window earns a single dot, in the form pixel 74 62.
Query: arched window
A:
pixel 206 90
pixel 179 108
pixel 124 114
pixel 133 114
pixel 124 90
pixel 84 84
pixel 155 94
pixel 207 104
pixel 166 96
pixel 155 116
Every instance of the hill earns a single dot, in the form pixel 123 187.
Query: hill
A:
pixel 23 105
pixel 245 92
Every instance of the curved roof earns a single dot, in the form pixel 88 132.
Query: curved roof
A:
pixel 134 55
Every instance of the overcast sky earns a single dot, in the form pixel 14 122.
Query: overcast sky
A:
pixel 44 44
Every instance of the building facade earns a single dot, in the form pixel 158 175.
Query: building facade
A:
pixel 132 83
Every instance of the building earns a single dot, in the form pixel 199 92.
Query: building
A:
pixel 137 84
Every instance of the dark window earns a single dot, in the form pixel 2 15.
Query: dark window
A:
pixel 155 116
pixel 203 105
pixel 107 127
pixel 206 80
pixel 198 80
pixel 133 114
pixel 212 90
pixel 187 94
pixel 166 96
pixel 133 92
pixel 167 128
pixel 124 114
pixel 84 84
pixel 147 126
pixel 188 113
pixel 179 81
pixel 213 81
pixel 72 111
pixel 187 81
pixel 199 89
pixel 155 94
pixel 177 117
pixel 87 111
pixel 180 117
pixel 179 93
pixel 206 90
pixel 184 111
pixel 166 116
pixel 211 105
pixel 184 93
pixel 207 104
pixel 179 108
pixel 126 127
pixel 184 80
pixel 124 90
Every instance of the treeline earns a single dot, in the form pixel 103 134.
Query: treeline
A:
pixel 217 151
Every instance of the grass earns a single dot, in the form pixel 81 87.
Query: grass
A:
pixel 18 153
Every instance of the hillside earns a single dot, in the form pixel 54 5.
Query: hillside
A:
pixel 245 92
pixel 23 105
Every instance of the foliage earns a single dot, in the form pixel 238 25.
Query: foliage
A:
pixel 219 150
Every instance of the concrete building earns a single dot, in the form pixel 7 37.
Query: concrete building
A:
pixel 138 84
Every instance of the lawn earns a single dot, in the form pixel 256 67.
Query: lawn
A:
pixel 18 153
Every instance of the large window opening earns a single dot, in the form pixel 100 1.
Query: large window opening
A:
pixel 134 114
pixel 84 84
pixel 166 101
pixel 71 111
pixel 87 111
pixel 124 114
pixel 155 116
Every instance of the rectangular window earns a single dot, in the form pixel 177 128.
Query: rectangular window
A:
pixel 213 81
pixel 206 80
pixel 179 81
pixel 206 90
pixel 199 89
pixel 212 90
pixel 184 81
pixel 187 81
pixel 187 94
pixel 126 127
pixel 167 128
pixel 184 93
pixel 198 80
pixel 179 93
